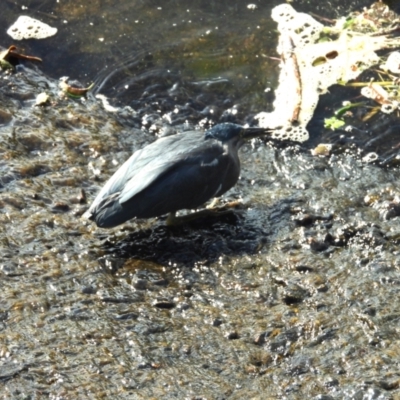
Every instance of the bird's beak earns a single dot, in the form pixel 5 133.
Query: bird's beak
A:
pixel 251 133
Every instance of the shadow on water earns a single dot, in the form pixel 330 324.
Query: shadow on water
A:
pixel 204 240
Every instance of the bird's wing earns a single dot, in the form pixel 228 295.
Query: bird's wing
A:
pixel 189 182
pixel 188 150
pixel 135 174
pixel 116 183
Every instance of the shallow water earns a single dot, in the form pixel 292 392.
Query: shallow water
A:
pixel 294 295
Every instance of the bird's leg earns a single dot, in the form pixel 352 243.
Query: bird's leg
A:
pixel 224 207
pixel 230 205
pixel 213 203
pixel 172 219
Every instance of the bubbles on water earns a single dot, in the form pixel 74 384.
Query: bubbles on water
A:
pixel 28 28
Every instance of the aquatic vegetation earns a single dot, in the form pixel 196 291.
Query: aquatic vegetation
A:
pixel 315 57
pixel 73 91
pixel 334 123
pixel 9 58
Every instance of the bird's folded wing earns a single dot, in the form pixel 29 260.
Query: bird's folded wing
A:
pixel 149 168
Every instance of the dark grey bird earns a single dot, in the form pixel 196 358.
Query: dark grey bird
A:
pixel 177 172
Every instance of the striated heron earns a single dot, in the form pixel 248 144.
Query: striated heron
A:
pixel 177 172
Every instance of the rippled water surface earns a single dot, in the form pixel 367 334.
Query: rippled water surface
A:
pixel 293 295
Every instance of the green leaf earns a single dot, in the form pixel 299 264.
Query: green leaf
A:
pixel 333 123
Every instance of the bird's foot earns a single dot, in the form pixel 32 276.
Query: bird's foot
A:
pixel 231 204
pixel 173 220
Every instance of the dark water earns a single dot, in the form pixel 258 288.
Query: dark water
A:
pixel 292 296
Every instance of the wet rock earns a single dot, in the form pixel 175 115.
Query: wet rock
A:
pixel 149 329
pixel 389 384
pixel 111 264
pixel 308 220
pixel 144 365
pixel 4 315
pixel 333 382
pixel 60 207
pixel 371 311
pixel 160 282
pixel 11 268
pixel 318 245
pixel 371 393
pixel 117 298
pixel 5 116
pixel 208 111
pixel 294 294
pixel 164 304
pixel 140 284
pixel 232 335
pixel 304 268
pixel 127 316
pixel 260 338
pixel 293 388
pixel 12 200
pixel 182 306
pixel 9 370
pixel 80 314
pixel 328 334
pixel 217 322
pixel 282 341
pixel 300 365
pixel 374 342
pixel 88 289
pixel 34 141
pixel 392 211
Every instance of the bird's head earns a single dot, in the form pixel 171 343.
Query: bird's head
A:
pixel 224 132
pixel 233 132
